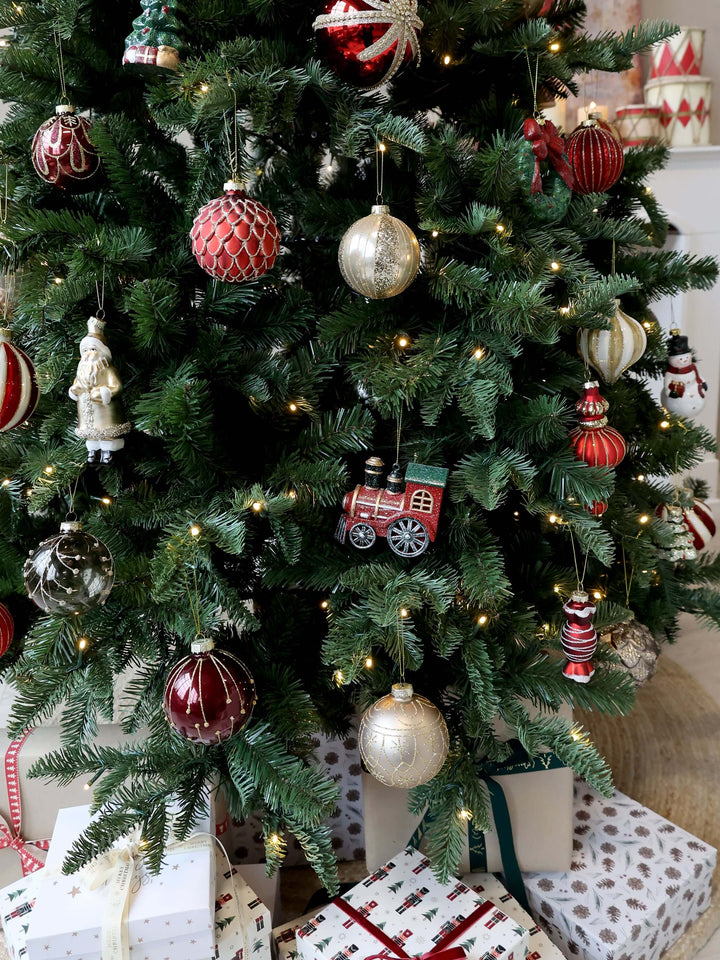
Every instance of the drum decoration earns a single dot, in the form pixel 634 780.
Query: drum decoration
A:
pixel 684 104
pixel 680 56
pixel 638 125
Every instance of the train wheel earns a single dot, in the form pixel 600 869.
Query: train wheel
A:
pixel 407 537
pixel 362 536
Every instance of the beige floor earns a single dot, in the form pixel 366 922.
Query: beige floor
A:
pixel 698 652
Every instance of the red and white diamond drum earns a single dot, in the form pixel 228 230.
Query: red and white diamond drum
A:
pixel 18 385
pixel 638 124
pixel 680 56
pixel 684 109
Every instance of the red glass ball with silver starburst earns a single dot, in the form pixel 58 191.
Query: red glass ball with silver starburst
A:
pixel 594 441
pixel 578 637
pixel 365 42
pixel 235 238
pixel 7 629
pixel 63 153
pixel 596 157
pixel 209 695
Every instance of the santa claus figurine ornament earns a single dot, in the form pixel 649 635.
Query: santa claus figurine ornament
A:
pixel 95 389
pixel 683 392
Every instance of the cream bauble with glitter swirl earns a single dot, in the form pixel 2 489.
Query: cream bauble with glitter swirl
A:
pixel 403 738
pixel 611 352
pixel 379 255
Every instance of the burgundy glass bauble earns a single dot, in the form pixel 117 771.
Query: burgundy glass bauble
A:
pixel 347 28
pixel 7 629
pixel 18 384
pixel 593 440
pixel 596 157
pixel 209 695
pixel 63 153
pixel 235 238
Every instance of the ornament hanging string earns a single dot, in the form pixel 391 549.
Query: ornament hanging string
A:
pixel 401 638
pixel 628 582
pixel 379 168
pixel 580 578
pixel 533 80
pixel 61 66
pixel 194 601
pixel 232 149
pixel 397 443
pixel 100 294
pixel 6 196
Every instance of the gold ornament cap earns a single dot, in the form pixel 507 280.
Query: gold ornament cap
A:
pixel 233 185
pixel 579 596
pixel 5 334
pixel 402 692
pixel 70 526
pixel 380 208
pixel 675 332
pixel 96 328
pixel 63 108
pixel 202 645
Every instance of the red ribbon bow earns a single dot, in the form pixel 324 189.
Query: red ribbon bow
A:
pixel 547 144
pixel 10 836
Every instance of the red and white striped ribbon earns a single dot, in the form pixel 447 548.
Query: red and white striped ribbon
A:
pixel 10 833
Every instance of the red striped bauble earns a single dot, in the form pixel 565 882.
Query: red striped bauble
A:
pixel 594 441
pixel 18 384
pixel 596 157
pixel 209 695
pixel 700 521
pixel 578 637
pixel 7 629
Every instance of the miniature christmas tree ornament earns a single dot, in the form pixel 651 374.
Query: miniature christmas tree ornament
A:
pixel 594 441
pixel 595 155
pixel 699 520
pixel 69 573
pixel 156 42
pixel 683 392
pixel 578 637
pixel 682 546
pixel 209 695
pixel 18 384
pixel 611 352
pixel 403 738
pixel 63 153
pixel 101 422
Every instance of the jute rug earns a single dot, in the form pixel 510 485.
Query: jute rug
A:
pixel 666 755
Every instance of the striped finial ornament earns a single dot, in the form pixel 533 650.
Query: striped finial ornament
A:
pixel 593 441
pixel 596 157
pixel 18 384
pixel 611 352
pixel 578 637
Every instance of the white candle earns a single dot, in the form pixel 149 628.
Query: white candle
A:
pixel 584 112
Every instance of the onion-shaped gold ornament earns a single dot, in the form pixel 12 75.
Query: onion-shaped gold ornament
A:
pixel 612 351
pixel 636 647
pixel 403 738
pixel 379 255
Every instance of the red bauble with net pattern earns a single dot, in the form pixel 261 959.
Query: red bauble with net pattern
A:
pixel 209 695
pixel 578 637
pixel 18 384
pixel 596 157
pixel 594 441
pixel 235 238
pixel 7 629
pixel 63 153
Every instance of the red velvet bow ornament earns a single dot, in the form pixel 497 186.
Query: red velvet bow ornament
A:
pixel 547 144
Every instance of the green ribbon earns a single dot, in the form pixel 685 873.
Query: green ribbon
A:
pixel 517 762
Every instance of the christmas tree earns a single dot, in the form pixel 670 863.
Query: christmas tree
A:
pixel 255 405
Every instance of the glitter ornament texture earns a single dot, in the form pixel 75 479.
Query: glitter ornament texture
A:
pixel 578 637
pixel 7 629
pixel 683 392
pixel 594 441
pixel 699 520
pixel 611 352
pixel 70 573
pixel 379 255
pixel 63 153
pixel 366 42
pixel 209 695
pixel 235 238
pixel 636 647
pixel 403 738
pixel 683 542
pixel 18 384
pixel 596 157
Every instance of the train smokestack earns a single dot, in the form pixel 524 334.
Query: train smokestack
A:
pixel 396 480
pixel 373 473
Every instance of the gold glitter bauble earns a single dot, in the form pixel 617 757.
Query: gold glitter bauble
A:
pixel 403 738
pixel 637 648
pixel 379 255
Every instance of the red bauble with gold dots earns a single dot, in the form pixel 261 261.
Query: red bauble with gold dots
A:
pixel 209 695
pixel 63 153
pixel 365 42
pixel 594 441
pixel 7 629
pixel 235 238
pixel 596 157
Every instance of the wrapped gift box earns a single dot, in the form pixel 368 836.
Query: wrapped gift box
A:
pixel 171 913
pixel 284 937
pixel 242 921
pixel 402 905
pixel 489 887
pixel 636 882
pixel 16 904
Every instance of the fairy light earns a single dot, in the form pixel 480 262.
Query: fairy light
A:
pixel 556 589
pixel 82 643
pixel 648 190
pixel 644 519
pixel 58 280
pixel 596 210
pixel 274 839
pixel 640 478
pixel 564 310
pixel 554 47
pixel 106 500
pixel 404 612
pixel 553 518
pixel 500 227
pixel 516 513
pixel 292 407
pixel 369 662
pixel 28 491
pixel 324 604
pixel 647 324
pixel 482 619
pixel 195 530
pixel 479 353
pixel 86 786
pixel 49 470
pixel 6 482
pixel 382 148
pixel 447 59
pixel 257 505
pixel 664 424
pixel 597 595
pixel 402 341
pixel 435 233
pixel 555 265
pixel 339 677
pixel 465 814
pixel 292 494
pixel 546 627
pixel 204 87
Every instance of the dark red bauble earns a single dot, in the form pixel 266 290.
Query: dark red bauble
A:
pixel 348 30
pixel 578 637
pixel 594 441
pixel 597 508
pixel 18 383
pixel 62 152
pixel 235 238
pixel 209 695
pixel 7 629
pixel 596 157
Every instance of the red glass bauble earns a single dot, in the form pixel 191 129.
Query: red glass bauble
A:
pixel 18 384
pixel 62 152
pixel 596 157
pixel 235 238
pixel 367 41
pixel 578 637
pixel 597 508
pixel 7 629
pixel 594 441
pixel 209 695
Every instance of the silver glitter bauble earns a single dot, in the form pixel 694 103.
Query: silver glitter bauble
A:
pixel 403 738
pixel 636 647
pixel 69 573
pixel 379 255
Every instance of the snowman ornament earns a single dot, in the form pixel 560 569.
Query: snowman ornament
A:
pixel 683 392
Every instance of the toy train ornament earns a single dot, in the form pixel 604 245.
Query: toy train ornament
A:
pixel 405 512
